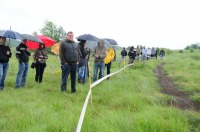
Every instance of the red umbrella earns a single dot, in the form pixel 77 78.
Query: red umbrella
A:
pixel 46 40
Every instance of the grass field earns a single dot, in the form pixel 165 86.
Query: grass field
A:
pixel 129 101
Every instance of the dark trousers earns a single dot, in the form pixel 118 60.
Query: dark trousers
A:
pixel 39 71
pixel 66 70
pixel 108 66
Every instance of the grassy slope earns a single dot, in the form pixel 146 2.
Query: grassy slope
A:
pixel 184 69
pixel 129 101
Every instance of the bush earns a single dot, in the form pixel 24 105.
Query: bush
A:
pixel 180 51
pixel 191 50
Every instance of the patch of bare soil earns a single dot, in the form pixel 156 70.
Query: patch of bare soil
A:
pixel 181 99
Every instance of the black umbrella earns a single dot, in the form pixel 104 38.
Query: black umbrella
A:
pixel 87 37
pixel 32 38
pixel 112 41
pixel 10 34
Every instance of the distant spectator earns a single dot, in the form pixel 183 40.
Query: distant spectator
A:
pixel 138 52
pixel 148 53
pixel 132 54
pixel 153 52
pixel 162 54
pixel 123 54
pixel 157 52
pixel 144 53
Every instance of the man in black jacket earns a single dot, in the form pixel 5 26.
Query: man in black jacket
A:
pixel 5 54
pixel 69 56
pixel 22 54
pixel 123 54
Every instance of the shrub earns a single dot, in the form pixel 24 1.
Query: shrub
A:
pixel 191 50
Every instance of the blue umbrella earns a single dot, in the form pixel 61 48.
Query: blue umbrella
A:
pixel 10 34
pixel 112 41
pixel 87 37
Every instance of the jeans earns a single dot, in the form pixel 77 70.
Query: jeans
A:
pixel 66 70
pixel 3 72
pixel 39 71
pixel 21 75
pixel 108 66
pixel 81 72
pixel 101 66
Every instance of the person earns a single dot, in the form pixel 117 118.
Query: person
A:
pixel 144 53
pixel 148 53
pixel 108 59
pixel 99 56
pixel 69 56
pixel 86 75
pixel 5 54
pixel 40 56
pixel 22 55
pixel 157 52
pixel 153 52
pixel 138 52
pixel 162 54
pixel 123 54
pixel 132 54
pixel 82 62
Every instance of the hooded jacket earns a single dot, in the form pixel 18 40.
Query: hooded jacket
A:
pixel 110 55
pixel 101 52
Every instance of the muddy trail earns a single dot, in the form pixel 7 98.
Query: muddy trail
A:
pixel 181 99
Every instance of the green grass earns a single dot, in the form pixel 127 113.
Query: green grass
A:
pixel 128 101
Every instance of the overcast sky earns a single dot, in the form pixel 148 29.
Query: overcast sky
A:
pixel 170 24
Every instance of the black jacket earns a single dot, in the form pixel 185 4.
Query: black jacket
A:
pixel 68 52
pixel 124 53
pixel 22 54
pixel 83 54
pixel 132 54
pixel 4 58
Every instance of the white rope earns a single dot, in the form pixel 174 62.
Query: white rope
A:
pixel 80 122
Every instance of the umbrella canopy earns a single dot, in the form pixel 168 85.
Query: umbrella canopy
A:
pixel 55 48
pixel 48 42
pixel 112 41
pixel 88 37
pixel 93 44
pixel 32 38
pixel 10 34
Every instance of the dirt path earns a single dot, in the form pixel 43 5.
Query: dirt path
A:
pixel 181 99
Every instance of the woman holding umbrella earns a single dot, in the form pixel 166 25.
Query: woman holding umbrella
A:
pixel 5 54
pixel 40 56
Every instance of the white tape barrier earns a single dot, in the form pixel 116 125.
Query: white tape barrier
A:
pixel 80 122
